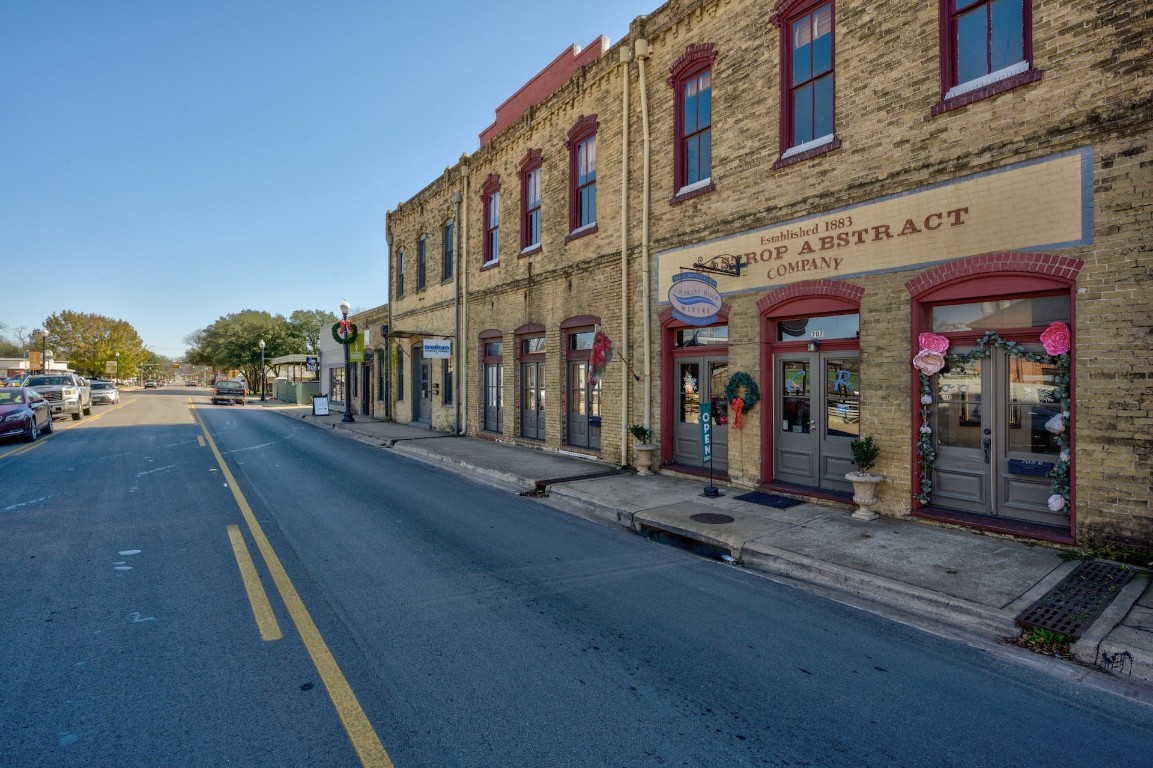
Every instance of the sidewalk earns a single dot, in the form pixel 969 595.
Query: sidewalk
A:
pixel 957 580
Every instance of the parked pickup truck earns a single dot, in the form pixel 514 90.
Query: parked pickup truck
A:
pixel 229 392
pixel 66 392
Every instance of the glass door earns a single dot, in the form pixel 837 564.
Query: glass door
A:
pixel 532 415
pixel 818 414
pixel 701 380
pixel 493 397
pixel 993 451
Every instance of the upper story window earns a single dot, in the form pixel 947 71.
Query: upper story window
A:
pixel 400 272
pixel 448 241
pixel 691 79
pixel 530 201
pixel 582 146
pixel 987 49
pixel 421 263
pixel 808 79
pixel 490 197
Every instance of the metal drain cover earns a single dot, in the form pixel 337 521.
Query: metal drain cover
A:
pixel 1076 602
pixel 712 518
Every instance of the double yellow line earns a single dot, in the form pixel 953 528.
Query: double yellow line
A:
pixel 356 724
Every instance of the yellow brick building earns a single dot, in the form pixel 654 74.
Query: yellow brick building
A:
pixel 955 185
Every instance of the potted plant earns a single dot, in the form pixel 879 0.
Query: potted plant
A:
pixel 644 447
pixel 865 453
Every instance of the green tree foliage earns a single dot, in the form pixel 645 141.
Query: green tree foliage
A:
pixel 89 341
pixel 233 343
pixel 308 325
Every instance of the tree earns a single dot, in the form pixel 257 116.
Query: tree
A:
pixel 233 343
pixel 89 341
pixel 309 324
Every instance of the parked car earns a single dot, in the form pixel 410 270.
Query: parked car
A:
pixel 105 392
pixel 229 392
pixel 150 384
pixel 67 392
pixel 24 412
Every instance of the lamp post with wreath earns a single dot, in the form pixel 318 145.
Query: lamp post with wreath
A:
pixel 345 334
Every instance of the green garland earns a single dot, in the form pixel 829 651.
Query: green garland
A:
pixel 751 394
pixel 352 337
pixel 926 450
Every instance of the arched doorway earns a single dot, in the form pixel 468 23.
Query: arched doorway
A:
pixel 812 382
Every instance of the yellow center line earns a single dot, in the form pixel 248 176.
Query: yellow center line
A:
pixel 261 609
pixel 356 724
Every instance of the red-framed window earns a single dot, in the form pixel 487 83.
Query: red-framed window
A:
pixel 986 48
pixel 808 78
pixel 530 201
pixel 490 200
pixel 582 147
pixel 691 78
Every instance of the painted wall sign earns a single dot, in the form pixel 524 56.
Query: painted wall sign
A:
pixel 695 298
pixel 1045 203
pixel 437 349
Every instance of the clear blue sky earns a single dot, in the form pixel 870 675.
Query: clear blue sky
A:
pixel 168 162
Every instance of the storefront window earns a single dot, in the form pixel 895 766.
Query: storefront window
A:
pixel 825 328
pixel 996 315
pixel 700 337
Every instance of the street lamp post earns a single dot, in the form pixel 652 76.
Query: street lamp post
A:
pixel 344 307
pixel 116 375
pixel 263 378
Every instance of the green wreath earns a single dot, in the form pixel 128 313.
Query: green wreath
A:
pixel 352 336
pixel 751 394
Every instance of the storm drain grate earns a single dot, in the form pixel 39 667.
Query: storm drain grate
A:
pixel 1071 606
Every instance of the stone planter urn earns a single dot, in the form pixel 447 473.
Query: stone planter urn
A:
pixel 864 493
pixel 644 448
pixel 865 454
pixel 644 458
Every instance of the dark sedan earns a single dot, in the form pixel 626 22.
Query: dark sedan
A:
pixel 25 413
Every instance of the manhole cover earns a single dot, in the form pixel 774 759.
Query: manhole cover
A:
pixel 713 518
pixel 1082 596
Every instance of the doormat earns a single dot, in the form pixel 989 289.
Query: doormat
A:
pixel 769 500
pixel 1076 602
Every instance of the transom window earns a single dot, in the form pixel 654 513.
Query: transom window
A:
pixel 700 337
pixel 1035 312
pixel 532 346
pixel 820 328
pixel 581 340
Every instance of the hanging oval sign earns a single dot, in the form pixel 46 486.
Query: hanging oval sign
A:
pixel 695 298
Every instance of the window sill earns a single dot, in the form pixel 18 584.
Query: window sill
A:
pixel 986 91
pixel 532 250
pixel 800 153
pixel 489 265
pixel 579 232
pixel 690 191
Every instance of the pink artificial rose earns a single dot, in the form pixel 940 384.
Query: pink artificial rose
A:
pixel 929 362
pixel 931 342
pixel 1055 338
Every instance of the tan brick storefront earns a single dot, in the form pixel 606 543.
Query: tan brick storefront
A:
pixel 979 213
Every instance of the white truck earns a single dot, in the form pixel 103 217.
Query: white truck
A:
pixel 66 392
